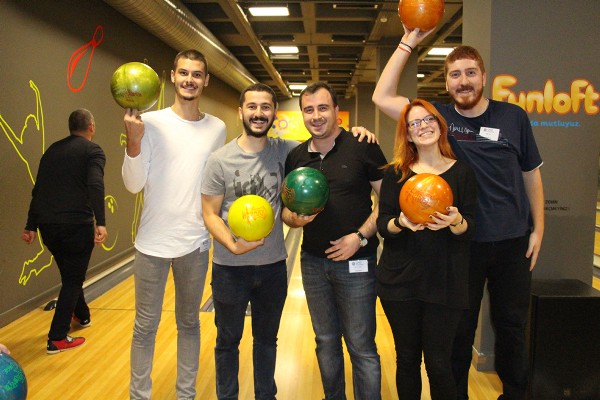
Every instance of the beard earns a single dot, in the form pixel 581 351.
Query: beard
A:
pixel 250 132
pixel 467 103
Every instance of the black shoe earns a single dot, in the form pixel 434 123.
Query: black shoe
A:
pixel 84 323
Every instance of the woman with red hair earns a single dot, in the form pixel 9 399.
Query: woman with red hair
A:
pixel 422 275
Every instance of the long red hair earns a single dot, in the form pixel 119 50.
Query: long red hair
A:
pixel 405 152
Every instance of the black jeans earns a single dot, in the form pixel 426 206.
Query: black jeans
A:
pixel 265 287
pixel 426 329
pixel 504 265
pixel 71 245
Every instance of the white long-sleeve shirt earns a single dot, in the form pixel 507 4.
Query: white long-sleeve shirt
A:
pixel 169 170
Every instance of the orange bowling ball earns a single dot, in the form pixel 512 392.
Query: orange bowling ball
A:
pixel 422 195
pixel 251 217
pixel 422 14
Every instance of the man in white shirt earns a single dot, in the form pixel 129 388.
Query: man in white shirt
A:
pixel 166 154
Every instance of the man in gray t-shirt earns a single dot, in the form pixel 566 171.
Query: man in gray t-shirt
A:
pixel 235 170
pixel 247 272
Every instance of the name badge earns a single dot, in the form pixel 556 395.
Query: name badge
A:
pixel 204 245
pixel 359 266
pixel 489 133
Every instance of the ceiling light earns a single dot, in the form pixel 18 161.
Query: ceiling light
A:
pixel 440 51
pixel 420 75
pixel 269 11
pixel 284 49
pixel 297 86
pixel 284 57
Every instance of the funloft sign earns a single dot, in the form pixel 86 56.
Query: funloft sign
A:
pixel 581 97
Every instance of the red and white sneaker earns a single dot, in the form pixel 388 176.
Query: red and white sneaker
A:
pixel 68 343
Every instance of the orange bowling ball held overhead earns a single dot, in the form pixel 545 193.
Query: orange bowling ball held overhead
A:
pixel 422 14
pixel 251 217
pixel 135 85
pixel 424 194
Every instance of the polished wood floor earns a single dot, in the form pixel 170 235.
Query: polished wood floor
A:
pixel 99 370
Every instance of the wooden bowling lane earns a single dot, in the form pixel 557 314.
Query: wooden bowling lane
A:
pixel 100 368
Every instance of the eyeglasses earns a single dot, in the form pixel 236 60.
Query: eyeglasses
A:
pixel 416 123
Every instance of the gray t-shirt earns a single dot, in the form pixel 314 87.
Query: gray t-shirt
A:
pixel 234 173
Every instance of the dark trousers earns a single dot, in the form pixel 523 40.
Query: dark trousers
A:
pixel 71 245
pixel 423 329
pixel 504 265
pixel 265 287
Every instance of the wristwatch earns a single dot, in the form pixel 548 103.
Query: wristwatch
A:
pixel 363 239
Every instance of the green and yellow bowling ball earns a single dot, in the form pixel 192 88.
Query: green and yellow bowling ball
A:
pixel 305 191
pixel 135 85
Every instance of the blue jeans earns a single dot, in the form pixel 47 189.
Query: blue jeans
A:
pixel 342 303
pixel 150 278
pixel 504 265
pixel 265 287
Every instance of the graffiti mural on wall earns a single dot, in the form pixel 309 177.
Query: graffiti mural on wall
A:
pixel 33 131
pixel 77 55
pixel 29 145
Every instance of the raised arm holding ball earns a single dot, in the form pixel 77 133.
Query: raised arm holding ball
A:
pixel 496 140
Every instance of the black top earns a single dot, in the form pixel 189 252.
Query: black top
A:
pixel 350 167
pixel 69 188
pixel 431 266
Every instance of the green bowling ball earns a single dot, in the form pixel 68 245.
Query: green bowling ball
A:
pixel 305 191
pixel 135 85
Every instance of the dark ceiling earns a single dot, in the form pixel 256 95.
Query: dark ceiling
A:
pixel 338 41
